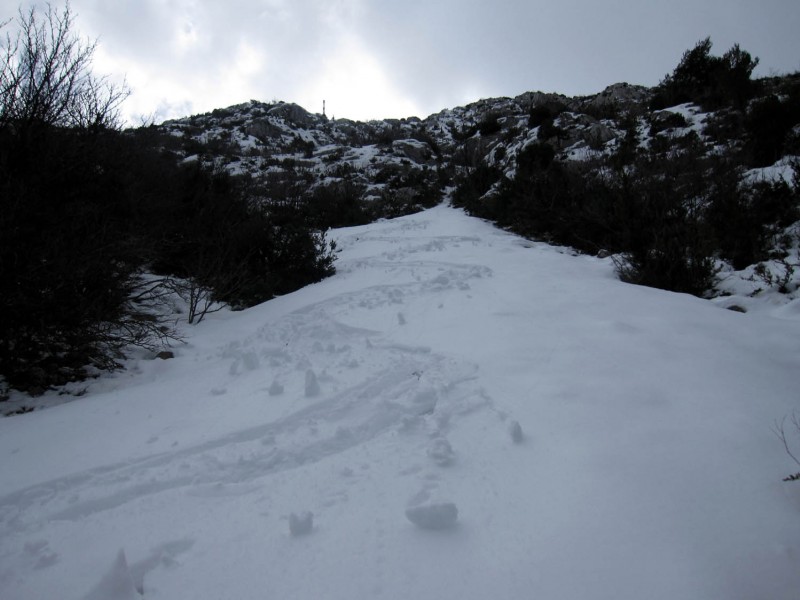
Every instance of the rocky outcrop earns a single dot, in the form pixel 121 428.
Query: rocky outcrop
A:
pixel 400 160
pixel 414 150
pixel 621 94
pixel 292 113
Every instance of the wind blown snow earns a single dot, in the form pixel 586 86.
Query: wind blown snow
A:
pixel 390 401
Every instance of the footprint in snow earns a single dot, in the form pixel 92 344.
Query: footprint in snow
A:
pixel 441 452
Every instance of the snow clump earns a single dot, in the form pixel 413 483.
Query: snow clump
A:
pixel 117 584
pixel 312 385
pixel 433 516
pixel 441 452
pixel 515 430
pixel 301 524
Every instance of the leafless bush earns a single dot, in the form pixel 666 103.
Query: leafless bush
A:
pixel 146 323
pixel 769 275
pixel 199 299
pixel 45 75
pixel 779 429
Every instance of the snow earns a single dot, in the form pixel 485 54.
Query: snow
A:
pixel 515 431
pixel 647 468
pixel 433 516
pixel 301 524
pixel 117 584
pixel 441 452
pixel 691 112
pixel 781 170
pixel 312 385
pixel 772 286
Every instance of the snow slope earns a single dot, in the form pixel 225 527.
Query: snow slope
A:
pixel 458 413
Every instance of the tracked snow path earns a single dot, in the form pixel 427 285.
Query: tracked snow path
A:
pixel 596 440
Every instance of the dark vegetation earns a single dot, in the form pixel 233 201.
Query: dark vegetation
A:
pixel 670 209
pixel 711 81
pixel 87 209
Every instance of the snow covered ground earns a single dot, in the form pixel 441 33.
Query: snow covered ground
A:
pixel 458 413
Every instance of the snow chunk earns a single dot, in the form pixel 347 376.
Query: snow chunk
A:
pixel 117 584
pixel 250 361
pixel 276 389
pixel 301 524
pixel 433 516
pixel 312 385
pixel 515 431
pixel 441 452
pixel 425 401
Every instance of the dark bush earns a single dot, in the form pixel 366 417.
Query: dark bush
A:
pixel 542 113
pixel 244 251
pixel 473 186
pixel 743 217
pixel 489 125
pixel 336 205
pixel 667 246
pixel 710 81
pixel 768 124
pixel 68 264
pixel 84 209
pixel 665 121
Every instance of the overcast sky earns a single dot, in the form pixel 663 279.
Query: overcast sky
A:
pixel 398 58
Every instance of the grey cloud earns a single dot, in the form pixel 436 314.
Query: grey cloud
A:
pixel 571 46
pixel 433 53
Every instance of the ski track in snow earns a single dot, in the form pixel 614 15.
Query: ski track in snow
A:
pixel 400 390
pixel 342 440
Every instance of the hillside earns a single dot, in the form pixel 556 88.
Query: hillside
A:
pixel 112 238
pixel 263 353
pixel 457 431
pixel 611 173
pixel 396 164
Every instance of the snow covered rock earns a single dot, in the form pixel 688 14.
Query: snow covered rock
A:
pixel 620 94
pixel 433 516
pixel 302 523
pixel 293 113
pixel 276 389
pixel 414 150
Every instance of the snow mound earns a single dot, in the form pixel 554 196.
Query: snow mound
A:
pixel 515 431
pixel 441 452
pixel 654 467
pixel 433 516
pixel 312 385
pixel 117 584
pixel 301 523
